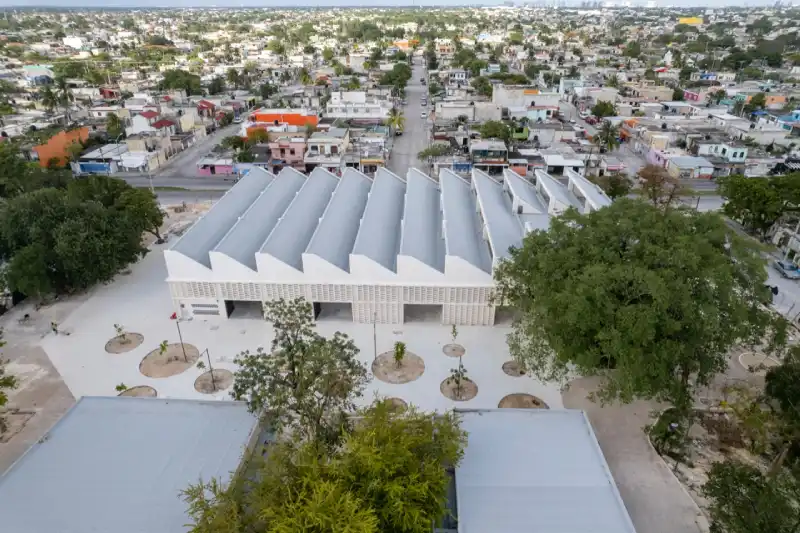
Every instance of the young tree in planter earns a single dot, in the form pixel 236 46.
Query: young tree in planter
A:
pixel 399 353
pixel 745 500
pixel 307 381
pixel 459 376
pixel 454 333
pixel 651 300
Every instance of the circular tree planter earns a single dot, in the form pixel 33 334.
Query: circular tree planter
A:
pixel 468 390
pixel 512 368
pixel 757 363
pixel 124 343
pixel 453 350
pixel 171 362
pixel 396 404
pixel 520 400
pixel 140 391
pixel 223 379
pixel 385 369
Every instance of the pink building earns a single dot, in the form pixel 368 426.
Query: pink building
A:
pixel 287 152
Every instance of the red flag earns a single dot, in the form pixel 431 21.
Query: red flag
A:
pixel 173 316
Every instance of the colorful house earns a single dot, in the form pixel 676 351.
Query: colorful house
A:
pixel 57 146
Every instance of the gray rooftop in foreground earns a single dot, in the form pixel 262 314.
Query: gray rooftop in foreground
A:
pixel 422 221
pixel 336 234
pixel 505 230
pixel 535 470
pixel 462 231
pixel 524 190
pixel 592 192
pixel 555 189
pixel 251 230
pixel 211 228
pixel 293 232
pixel 379 235
pixel 118 465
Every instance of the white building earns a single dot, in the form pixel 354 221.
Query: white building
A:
pixel 357 105
pixel 385 248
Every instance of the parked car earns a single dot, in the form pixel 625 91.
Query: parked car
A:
pixel 398 133
pixel 424 103
pixel 422 81
pixel 423 115
pixel 788 270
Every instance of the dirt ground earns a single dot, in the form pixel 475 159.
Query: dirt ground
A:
pixel 385 369
pixel 175 360
pixel 223 379
pixel 140 391
pixel 124 343
pixel 41 396
pixel 522 401
pixel 468 390
pixel 511 368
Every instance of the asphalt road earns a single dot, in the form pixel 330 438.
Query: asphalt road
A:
pixel 416 133
pixel 185 163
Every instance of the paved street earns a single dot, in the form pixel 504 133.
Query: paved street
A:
pixel 417 132
pixel 184 182
pixel 185 163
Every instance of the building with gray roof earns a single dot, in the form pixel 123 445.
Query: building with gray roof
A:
pixel 381 246
pixel 534 470
pixel 120 463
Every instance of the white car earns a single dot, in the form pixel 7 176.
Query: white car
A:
pixel 423 115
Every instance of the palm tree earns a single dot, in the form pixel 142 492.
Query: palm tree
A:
pixel 48 98
pixel 396 119
pixel 607 136
pixel 114 125
pixel 63 95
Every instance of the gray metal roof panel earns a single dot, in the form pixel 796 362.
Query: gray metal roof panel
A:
pixel 290 237
pixel 590 191
pixel 379 235
pixel 119 464
pixel 525 191
pixel 336 234
pixel 462 230
pixel 555 189
pixel 215 224
pixel 248 234
pixel 535 470
pixel 422 221
pixel 503 226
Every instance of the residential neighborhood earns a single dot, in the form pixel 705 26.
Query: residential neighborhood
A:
pixel 520 266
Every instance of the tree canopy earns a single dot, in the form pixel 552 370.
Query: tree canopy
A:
pixel 181 79
pixel 604 109
pixel 307 381
pixel 656 295
pixel 759 202
pixel 388 474
pixel 57 241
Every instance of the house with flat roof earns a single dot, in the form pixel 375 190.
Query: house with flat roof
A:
pixel 119 464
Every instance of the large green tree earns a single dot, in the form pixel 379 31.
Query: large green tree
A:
pixel 307 382
pixel 390 473
pixel 759 202
pixel 783 390
pixel 604 109
pixel 651 300
pixel 7 383
pixel 57 241
pixel 181 79
pixel 744 500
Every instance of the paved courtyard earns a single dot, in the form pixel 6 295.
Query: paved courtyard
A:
pixel 140 302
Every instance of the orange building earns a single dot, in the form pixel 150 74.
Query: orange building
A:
pixel 284 116
pixel 57 146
